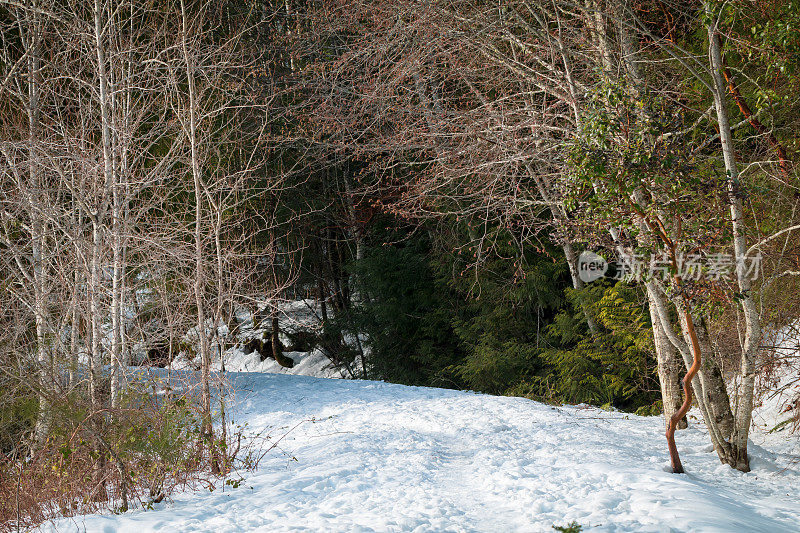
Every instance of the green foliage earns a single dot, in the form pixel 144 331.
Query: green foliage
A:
pixel 776 34
pixel 572 527
pixel 150 445
pixel 763 55
pixel 163 445
pixel 654 409
pixel 18 411
pixel 623 153
pixel 404 315
pixel 502 315
pixel 494 365
pixel 510 325
pixel 615 367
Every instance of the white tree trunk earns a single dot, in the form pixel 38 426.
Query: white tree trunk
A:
pixel 94 290
pixel 669 365
pixel 752 318
pixel 38 243
pixel 116 297
pixel 205 356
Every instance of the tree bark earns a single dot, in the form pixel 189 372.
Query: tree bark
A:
pixel 97 393
pixel 277 347
pixel 744 401
pixel 38 243
pixel 658 298
pixel 674 420
pixel 669 367
pixel 714 383
pixel 207 430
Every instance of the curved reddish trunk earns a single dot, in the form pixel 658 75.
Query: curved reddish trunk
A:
pixel 678 415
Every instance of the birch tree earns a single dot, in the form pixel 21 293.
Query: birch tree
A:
pixel 26 195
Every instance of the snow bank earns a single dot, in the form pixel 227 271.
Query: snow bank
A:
pixel 294 315
pixel 779 390
pixel 313 363
pixel 370 456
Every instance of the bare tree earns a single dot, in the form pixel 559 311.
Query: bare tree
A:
pixel 492 113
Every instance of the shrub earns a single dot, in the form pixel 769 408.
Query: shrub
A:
pixel 132 456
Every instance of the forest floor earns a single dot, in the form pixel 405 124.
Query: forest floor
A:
pixel 360 456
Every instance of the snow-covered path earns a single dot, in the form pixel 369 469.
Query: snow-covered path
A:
pixel 371 456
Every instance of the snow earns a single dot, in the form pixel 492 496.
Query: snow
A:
pixel 293 316
pixel 314 363
pixel 370 456
pixel 780 388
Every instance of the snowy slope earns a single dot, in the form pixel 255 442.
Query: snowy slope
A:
pixel 371 456
pixel 780 388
